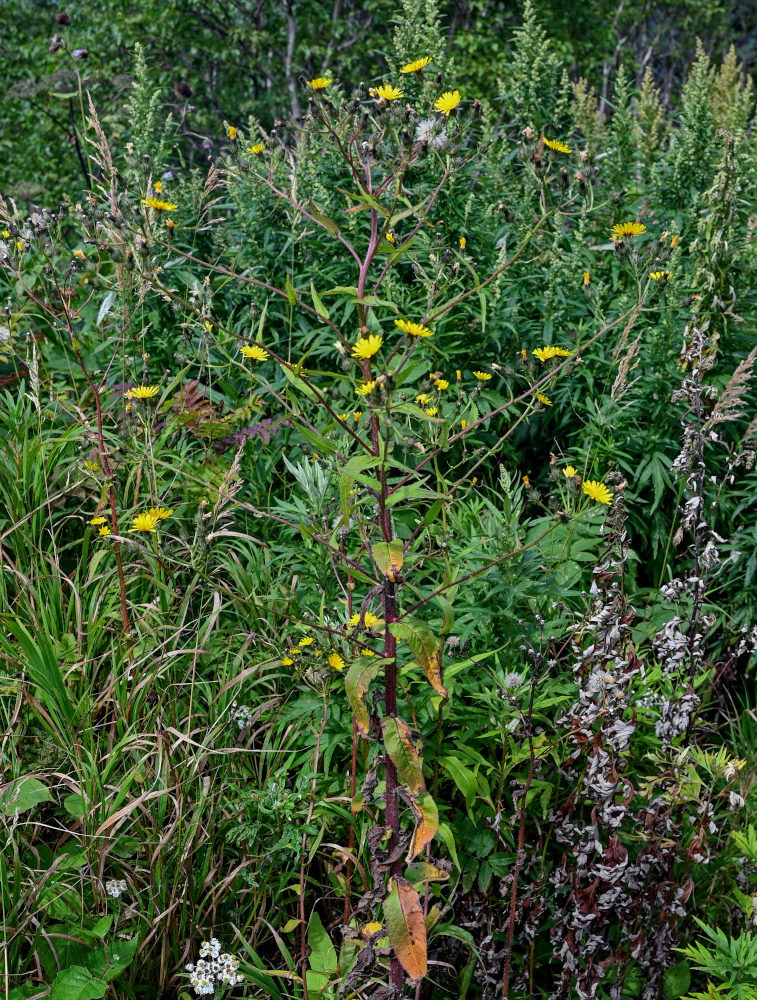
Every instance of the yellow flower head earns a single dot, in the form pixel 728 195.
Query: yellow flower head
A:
pixel 104 531
pixel 144 522
pixel 441 383
pixel 19 246
pixel 98 520
pixel 622 229
pixel 659 275
pixel 448 101
pixel 569 471
pixel 306 640
pixel 357 415
pixel 526 482
pixel 255 353
pixel 232 133
pixel 414 329
pixel 142 392
pixel 463 424
pixel 388 92
pixel 366 347
pixel 6 234
pixel 287 661
pixel 390 238
pixel 158 185
pixel 416 65
pixel 673 241
pixel 545 353
pixel 320 82
pixel 423 397
pixel 482 376
pixel 79 254
pixel 587 278
pixel 543 399
pixel 365 387
pixel 257 149
pixel 597 491
pixel 370 619
pixel 159 205
pixel 432 411
pixel 463 242
pixel 160 512
pixel 555 146
pixel 336 661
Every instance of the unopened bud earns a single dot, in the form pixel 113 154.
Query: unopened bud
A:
pixel 63 19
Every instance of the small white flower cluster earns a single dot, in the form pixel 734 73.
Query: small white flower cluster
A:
pixel 241 714
pixel 214 968
pixel 115 886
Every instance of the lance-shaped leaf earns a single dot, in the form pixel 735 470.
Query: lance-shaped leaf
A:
pixel 425 648
pixel 427 816
pixel 422 871
pixel 389 557
pixel 402 753
pixel 357 682
pixel 407 928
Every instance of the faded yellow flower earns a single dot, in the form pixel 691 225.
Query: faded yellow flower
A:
pixel 366 347
pixel 416 65
pixel 596 491
pixel 448 101
pixel 414 329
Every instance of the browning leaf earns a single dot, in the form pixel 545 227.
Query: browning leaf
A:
pixel 406 927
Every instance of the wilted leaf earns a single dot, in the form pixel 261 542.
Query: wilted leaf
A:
pixel 357 682
pixel 422 871
pixel 406 927
pixel 425 648
pixel 402 753
pixel 427 816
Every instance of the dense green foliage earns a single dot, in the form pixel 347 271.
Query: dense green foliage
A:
pixel 435 656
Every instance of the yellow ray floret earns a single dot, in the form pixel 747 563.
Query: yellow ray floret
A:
pixel 370 619
pixel 543 399
pixel 569 471
pixel 622 229
pixel 366 347
pixel 336 661
pixel 388 92
pixel 555 146
pixel 448 101
pixel 320 82
pixel 597 491
pixel 160 512
pixel 257 149
pixel 416 65
pixel 365 387
pixel 545 353
pixel 159 205
pixel 414 329
pixel 142 392
pixel 482 376
pixel 144 522
pixel 255 353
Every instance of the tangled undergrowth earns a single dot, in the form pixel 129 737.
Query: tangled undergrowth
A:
pixel 378 546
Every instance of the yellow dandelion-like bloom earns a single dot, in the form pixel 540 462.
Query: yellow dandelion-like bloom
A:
pixel 287 661
pixel 19 246
pixel 295 651
pixel 366 347
pixel 160 512
pixel 544 399
pixel 142 392
pixel 6 234
pixel 92 466
pixel 463 242
pixel 144 522
pixel 321 82
pixel 448 101
pixel 416 65
pixel 569 471
pixel 104 531
pixel 555 146
pixel 414 329
pixel 365 387
pixel 255 353
pixel 257 149
pixel 431 410
pixel 336 661
pixel 659 275
pixel 232 133
pixel 80 254
pixel 587 278
pixel 357 415
pixel 390 238
pixel 343 416
pixel 545 353
pixel 370 619
pixel 463 424
pixel 388 92
pixel 424 398
pixel 673 242
pixel 597 491
pixel 158 185
pixel 441 384
pixel 482 376
pixel 98 520
pixel 306 640
pixel 159 205
pixel 622 229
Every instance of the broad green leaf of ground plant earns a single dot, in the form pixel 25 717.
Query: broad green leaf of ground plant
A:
pixel 77 983
pixel 23 794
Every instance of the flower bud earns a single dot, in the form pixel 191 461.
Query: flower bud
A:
pixel 63 19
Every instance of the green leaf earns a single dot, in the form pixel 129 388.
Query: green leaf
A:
pixel 425 648
pixel 323 954
pixel 357 682
pixel 422 871
pixel 448 838
pixel 324 220
pixel 291 293
pixel 402 753
pixel 23 794
pixel 77 983
pixel 463 777
pixel 320 308
pixel 389 557
pixel 355 465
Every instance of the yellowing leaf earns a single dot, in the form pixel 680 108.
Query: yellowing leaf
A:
pixel 356 684
pixel 402 753
pixel 389 557
pixel 406 927
pixel 422 871
pixel 427 816
pixel 424 647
